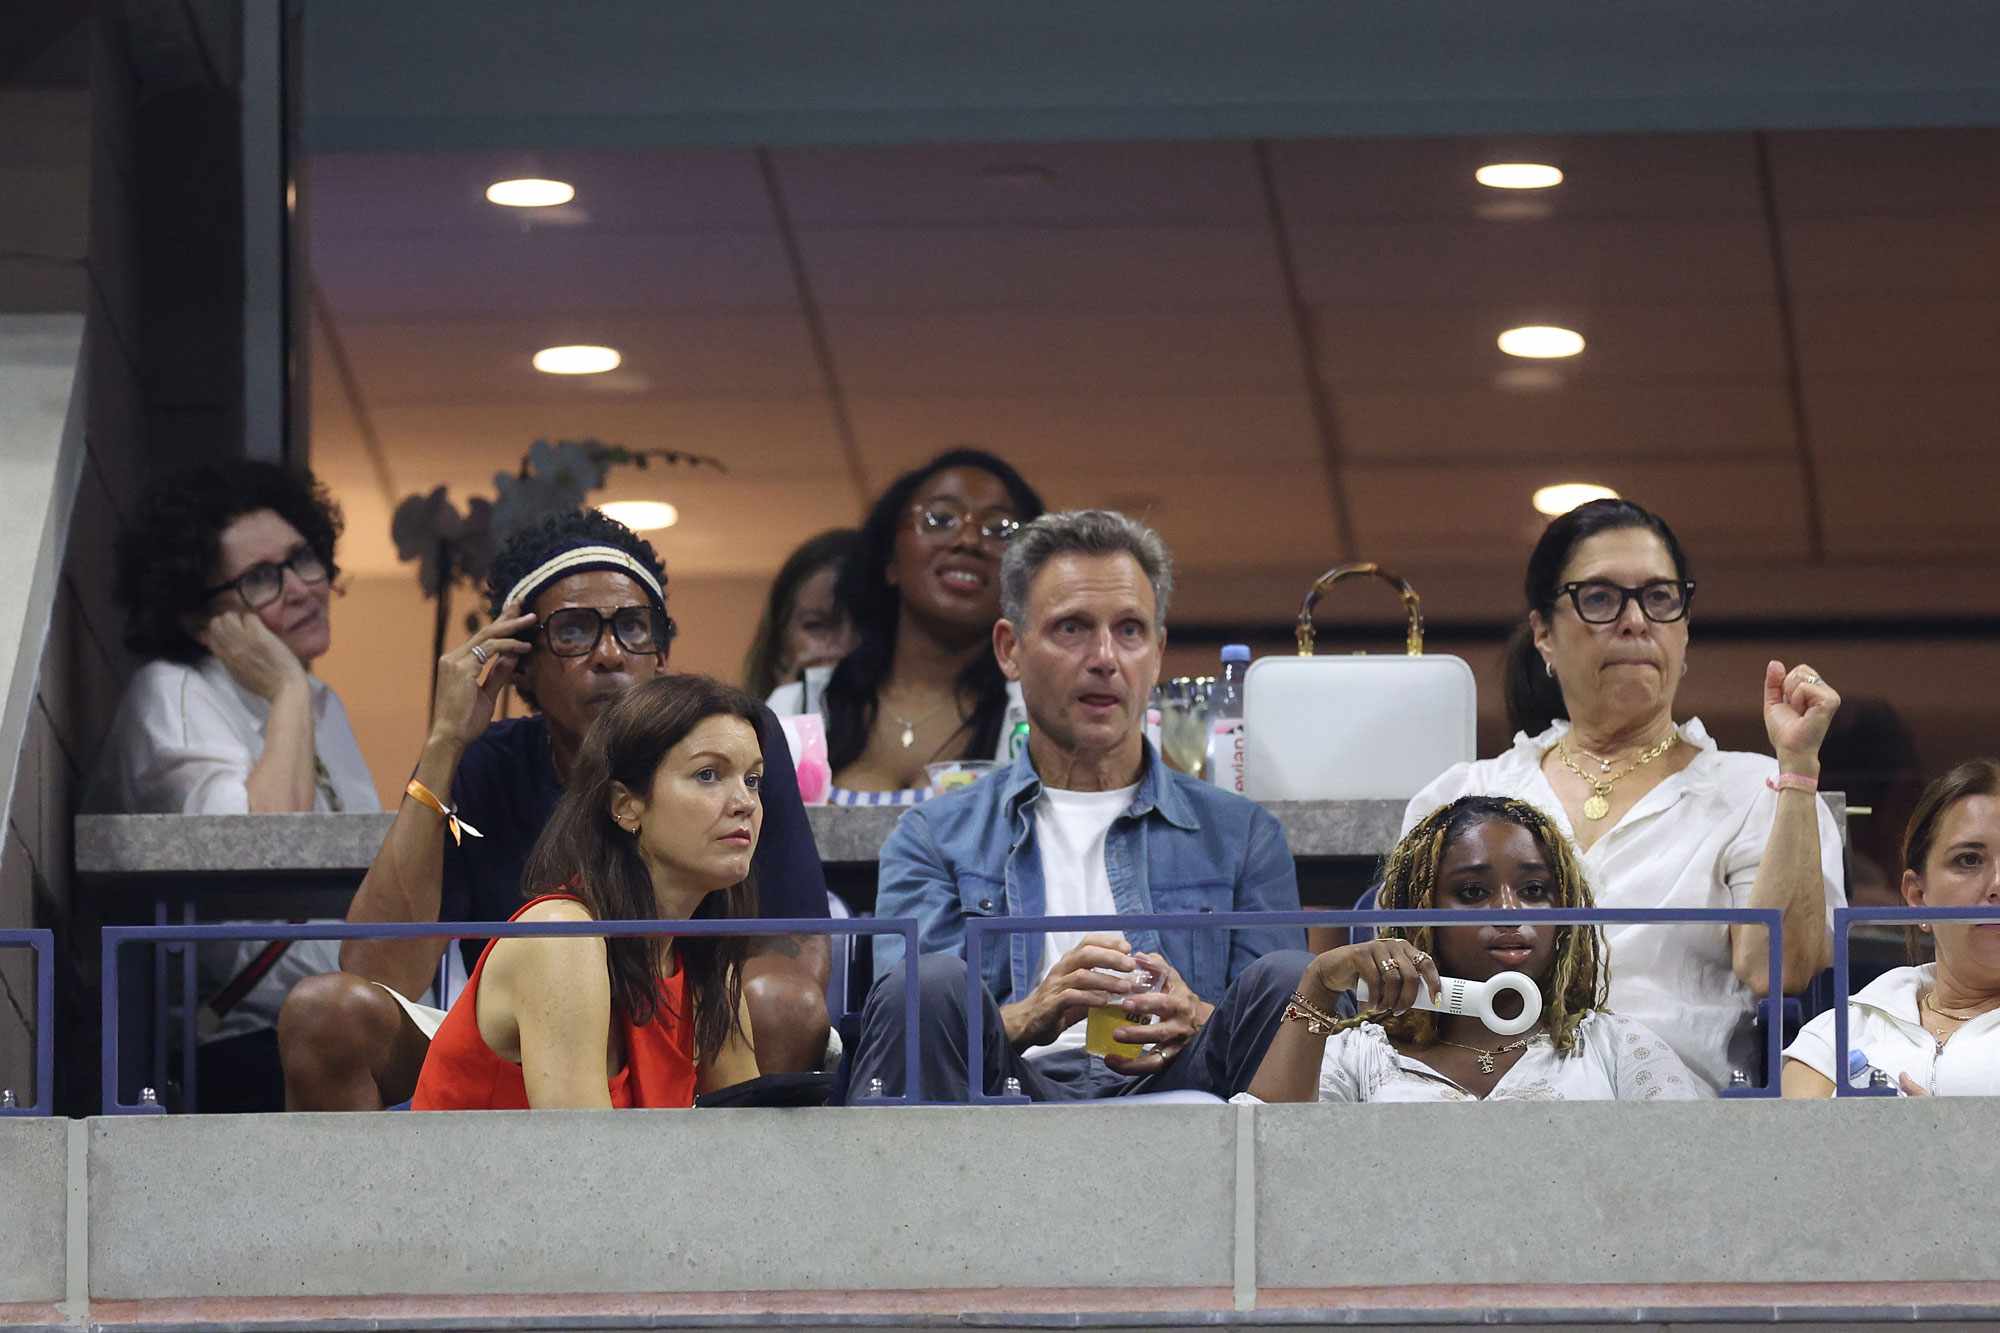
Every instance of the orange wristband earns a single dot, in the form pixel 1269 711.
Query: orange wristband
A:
pixel 423 795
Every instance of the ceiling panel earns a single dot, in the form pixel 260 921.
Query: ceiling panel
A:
pixel 1214 517
pixel 1894 257
pixel 983 185
pixel 1924 339
pixel 1142 437
pixel 582 271
pixel 1721 510
pixel 1894 506
pixel 1577 423
pixel 1573 263
pixel 392 194
pixel 1005 351
pixel 1865 416
pixel 1886 173
pixel 1091 269
pixel 460 361
pixel 1616 176
pixel 1730 342
pixel 756 438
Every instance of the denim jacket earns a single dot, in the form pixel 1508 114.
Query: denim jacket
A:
pixel 1182 846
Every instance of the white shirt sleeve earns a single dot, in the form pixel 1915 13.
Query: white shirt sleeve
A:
pixel 1343 1071
pixel 1644 1067
pixel 175 750
pixel 1813 1047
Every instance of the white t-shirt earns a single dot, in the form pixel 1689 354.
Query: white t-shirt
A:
pixel 183 742
pixel 1070 831
pixel 1695 840
pixel 1882 1020
pixel 1615 1059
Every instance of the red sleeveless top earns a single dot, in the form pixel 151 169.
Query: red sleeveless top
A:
pixel 462 1073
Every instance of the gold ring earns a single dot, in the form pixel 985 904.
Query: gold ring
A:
pixel 1390 965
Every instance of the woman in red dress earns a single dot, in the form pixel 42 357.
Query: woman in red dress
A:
pixel 659 821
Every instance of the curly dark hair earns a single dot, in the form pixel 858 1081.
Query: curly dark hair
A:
pixel 530 548
pixel 850 703
pixel 167 554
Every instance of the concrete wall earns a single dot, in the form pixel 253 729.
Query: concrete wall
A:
pixel 86 181
pixel 34 1210
pixel 1188 1199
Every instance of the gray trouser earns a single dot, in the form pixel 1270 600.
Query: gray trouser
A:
pixel 1222 1058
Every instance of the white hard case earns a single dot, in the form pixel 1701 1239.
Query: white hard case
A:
pixel 1354 728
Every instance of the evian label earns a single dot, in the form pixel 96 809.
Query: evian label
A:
pixel 1225 754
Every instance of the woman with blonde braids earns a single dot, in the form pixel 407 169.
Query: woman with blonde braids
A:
pixel 1479 852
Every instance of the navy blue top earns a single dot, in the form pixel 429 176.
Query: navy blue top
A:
pixel 506 787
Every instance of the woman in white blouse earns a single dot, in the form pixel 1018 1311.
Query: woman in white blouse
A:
pixel 1933 1029
pixel 225 574
pixel 1479 852
pixel 1662 816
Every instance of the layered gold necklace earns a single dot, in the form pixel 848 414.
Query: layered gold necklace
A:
pixel 1599 803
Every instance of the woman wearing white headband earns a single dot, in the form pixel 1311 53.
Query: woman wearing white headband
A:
pixel 580 617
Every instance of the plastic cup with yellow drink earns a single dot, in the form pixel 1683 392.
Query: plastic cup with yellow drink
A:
pixel 1105 1019
pixel 953 774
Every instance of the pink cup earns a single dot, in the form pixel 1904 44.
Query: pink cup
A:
pixel 806 734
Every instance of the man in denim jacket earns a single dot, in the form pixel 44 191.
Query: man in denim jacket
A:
pixel 1086 821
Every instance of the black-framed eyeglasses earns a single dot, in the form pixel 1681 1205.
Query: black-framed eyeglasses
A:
pixel 262 584
pixel 575 631
pixel 1600 602
pixel 940 520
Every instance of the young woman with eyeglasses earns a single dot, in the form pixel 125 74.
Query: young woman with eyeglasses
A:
pixel 1663 817
pixel 225 575
pixel 923 587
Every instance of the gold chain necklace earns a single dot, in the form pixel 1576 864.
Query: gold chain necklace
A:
pixel 1488 1061
pixel 1599 804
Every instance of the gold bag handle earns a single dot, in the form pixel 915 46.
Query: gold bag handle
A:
pixel 1414 643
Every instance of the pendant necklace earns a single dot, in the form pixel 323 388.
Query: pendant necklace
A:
pixel 1488 1061
pixel 1599 803
pixel 909 733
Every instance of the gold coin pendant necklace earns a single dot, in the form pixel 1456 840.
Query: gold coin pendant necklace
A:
pixel 1599 803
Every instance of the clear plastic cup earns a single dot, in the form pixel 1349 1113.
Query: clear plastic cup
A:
pixel 1105 1019
pixel 953 774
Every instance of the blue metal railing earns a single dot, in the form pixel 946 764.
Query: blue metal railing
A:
pixel 116 937
pixel 978 928
pixel 1844 920
pixel 42 943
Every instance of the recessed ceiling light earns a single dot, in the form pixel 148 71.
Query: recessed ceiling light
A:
pixel 1518 176
pixel 1559 499
pixel 578 359
pixel 641 515
pixel 1541 342
pixel 530 193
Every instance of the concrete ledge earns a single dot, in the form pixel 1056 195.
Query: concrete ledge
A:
pixel 1719 1192
pixel 34 1209
pixel 344 844
pixel 489 1202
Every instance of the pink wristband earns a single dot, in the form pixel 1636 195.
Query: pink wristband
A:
pixel 1792 782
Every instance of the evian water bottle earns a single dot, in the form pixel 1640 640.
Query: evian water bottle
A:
pixel 1225 720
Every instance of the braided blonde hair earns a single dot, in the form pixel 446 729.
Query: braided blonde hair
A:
pixel 1578 981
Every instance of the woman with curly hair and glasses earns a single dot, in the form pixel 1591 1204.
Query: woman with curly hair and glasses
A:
pixel 224 575
pixel 1478 853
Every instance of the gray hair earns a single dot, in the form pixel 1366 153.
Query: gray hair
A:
pixel 1083 532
